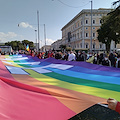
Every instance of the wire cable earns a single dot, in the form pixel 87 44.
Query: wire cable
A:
pixel 72 6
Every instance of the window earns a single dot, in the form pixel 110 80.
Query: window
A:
pixel 78 35
pixel 77 45
pixel 93 21
pixel 100 45
pixel 93 34
pixel 86 34
pixel 81 34
pixel 86 21
pixel 75 36
pixel 75 25
pixel 94 45
pixel 86 45
pixel 81 22
pixel 80 45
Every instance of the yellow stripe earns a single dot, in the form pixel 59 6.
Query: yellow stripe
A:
pixel 11 61
pixel 79 88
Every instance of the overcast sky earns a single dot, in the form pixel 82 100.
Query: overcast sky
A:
pixel 53 13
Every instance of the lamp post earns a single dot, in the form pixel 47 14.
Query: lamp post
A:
pixel 45 37
pixel 38 29
pixel 91 29
pixel 36 39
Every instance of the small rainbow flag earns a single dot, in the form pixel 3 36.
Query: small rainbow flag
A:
pixel 27 48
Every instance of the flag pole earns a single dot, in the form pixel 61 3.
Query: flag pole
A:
pixel 38 29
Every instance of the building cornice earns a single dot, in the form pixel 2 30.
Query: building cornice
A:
pixel 88 11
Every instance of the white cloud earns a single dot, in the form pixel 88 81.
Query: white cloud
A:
pixel 25 25
pixel 49 41
pixel 5 37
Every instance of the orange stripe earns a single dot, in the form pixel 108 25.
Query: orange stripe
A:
pixel 76 101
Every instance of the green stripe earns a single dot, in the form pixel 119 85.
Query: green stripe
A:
pixel 24 65
pixel 84 82
pixel 79 88
pixel 16 61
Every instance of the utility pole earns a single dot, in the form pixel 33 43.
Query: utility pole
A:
pixel 45 37
pixel 38 29
pixel 91 29
pixel 36 39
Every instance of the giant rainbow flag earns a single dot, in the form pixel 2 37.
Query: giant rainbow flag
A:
pixel 50 89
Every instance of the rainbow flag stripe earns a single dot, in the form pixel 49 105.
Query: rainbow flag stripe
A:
pixel 50 89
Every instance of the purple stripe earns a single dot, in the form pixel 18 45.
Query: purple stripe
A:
pixel 82 64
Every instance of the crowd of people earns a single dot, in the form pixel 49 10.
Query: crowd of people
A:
pixel 112 59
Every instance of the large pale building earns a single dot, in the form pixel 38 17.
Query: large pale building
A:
pixel 77 33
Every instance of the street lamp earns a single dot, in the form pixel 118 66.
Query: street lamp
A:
pixel 45 36
pixel 91 29
pixel 36 38
pixel 38 29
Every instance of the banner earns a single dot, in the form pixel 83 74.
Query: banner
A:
pixel 27 47
pixel 50 89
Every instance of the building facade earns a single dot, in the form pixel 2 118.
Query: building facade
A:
pixel 56 45
pixel 77 33
pixel 46 48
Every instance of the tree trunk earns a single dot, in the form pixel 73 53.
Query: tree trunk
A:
pixel 107 47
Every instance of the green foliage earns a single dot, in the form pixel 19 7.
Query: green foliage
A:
pixel 68 48
pixel 20 45
pixel 62 47
pixel 110 28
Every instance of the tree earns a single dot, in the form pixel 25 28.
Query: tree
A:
pixel 115 15
pixel 109 27
pixel 63 47
pixel 68 48
pixel 26 42
pixel 20 45
pixel 116 2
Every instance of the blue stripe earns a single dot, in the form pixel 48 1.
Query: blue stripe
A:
pixel 97 72
pixel 99 78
